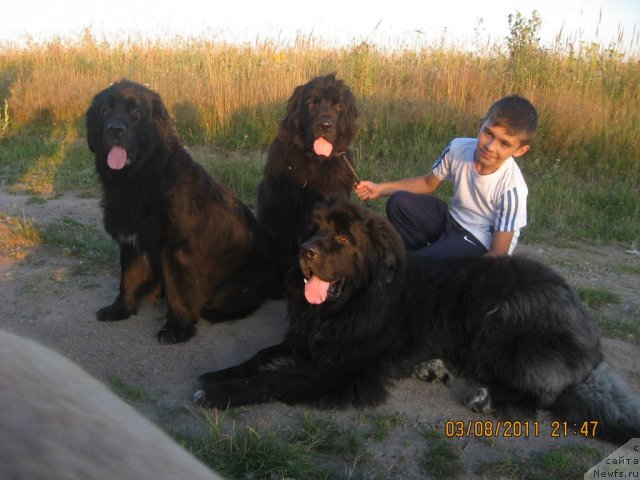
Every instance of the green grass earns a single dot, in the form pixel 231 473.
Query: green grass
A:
pixel 79 240
pixel 321 434
pixel 21 236
pixel 563 463
pixel 597 297
pixel 382 426
pixel 47 162
pixel 566 204
pixel 239 452
pixel 561 205
pixel 240 170
pixel 622 327
pixel 327 437
pixel 315 448
pixel 628 269
pixel 128 392
pixel 628 330
pixel 441 459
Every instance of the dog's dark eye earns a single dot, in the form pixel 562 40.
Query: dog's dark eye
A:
pixel 310 105
pixel 106 110
pixel 338 106
pixel 136 112
pixel 344 239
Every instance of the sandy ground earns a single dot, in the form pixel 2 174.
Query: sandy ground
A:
pixel 53 298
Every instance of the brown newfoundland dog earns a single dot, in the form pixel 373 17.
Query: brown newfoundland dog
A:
pixel 361 313
pixel 309 161
pixel 180 231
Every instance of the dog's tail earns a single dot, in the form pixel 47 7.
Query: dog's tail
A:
pixel 602 405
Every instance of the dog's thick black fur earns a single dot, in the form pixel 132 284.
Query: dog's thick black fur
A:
pixel 307 163
pixel 360 314
pixel 180 231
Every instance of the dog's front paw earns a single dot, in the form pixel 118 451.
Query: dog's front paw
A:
pixel 215 395
pixel 479 401
pixel 232 393
pixel 211 399
pixel 433 370
pixel 173 334
pixel 114 312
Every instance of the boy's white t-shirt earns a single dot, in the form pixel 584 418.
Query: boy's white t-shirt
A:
pixel 483 204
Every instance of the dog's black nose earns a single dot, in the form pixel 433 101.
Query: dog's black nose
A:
pixel 116 129
pixel 326 125
pixel 308 253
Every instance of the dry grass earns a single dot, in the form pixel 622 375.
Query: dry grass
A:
pixel 217 91
pixel 17 237
pixel 412 102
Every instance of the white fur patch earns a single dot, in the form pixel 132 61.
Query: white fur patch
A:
pixel 128 240
pixel 278 363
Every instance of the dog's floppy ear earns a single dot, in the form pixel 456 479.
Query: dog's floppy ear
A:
pixel 290 125
pixel 388 249
pixel 92 123
pixel 161 119
pixel 348 117
pixel 390 264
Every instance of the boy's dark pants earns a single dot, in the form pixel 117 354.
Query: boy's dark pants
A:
pixel 428 229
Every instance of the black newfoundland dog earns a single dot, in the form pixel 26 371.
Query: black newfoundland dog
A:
pixel 309 161
pixel 180 232
pixel 360 314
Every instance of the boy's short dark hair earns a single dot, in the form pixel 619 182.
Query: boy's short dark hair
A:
pixel 516 114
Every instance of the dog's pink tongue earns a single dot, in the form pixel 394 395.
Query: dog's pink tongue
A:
pixel 117 158
pixel 322 147
pixel 315 290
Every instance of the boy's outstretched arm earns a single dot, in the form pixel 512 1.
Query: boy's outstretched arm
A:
pixel 366 190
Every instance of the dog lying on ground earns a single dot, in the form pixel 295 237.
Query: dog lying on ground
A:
pixel 309 161
pixel 179 230
pixel 361 313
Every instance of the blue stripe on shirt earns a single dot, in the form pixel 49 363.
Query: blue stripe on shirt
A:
pixel 441 157
pixel 504 212
pixel 515 210
pixel 507 220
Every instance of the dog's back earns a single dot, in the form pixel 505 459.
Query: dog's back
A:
pixel 57 422
pixel 515 326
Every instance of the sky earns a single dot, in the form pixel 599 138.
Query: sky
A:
pixel 461 23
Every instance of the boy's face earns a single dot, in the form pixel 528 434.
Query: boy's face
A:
pixel 495 145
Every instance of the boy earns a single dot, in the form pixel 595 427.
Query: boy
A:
pixel 488 207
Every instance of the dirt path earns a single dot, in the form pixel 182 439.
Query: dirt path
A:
pixel 52 298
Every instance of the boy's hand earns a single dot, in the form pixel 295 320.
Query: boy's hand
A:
pixel 366 190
